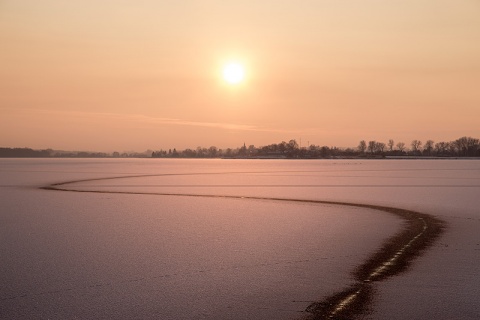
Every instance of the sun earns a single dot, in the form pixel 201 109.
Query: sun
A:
pixel 233 73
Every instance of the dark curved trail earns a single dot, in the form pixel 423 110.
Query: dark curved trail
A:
pixel 394 256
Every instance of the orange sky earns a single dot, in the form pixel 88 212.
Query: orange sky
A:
pixel 135 75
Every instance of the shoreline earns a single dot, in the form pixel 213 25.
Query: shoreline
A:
pixel 393 257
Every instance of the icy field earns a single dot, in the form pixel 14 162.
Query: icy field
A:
pixel 143 244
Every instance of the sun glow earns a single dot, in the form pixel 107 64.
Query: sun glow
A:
pixel 233 73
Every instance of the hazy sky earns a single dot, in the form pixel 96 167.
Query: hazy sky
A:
pixel 146 74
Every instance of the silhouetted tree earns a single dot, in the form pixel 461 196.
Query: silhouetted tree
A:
pixel 372 146
pixel 212 152
pixel 416 144
pixel 243 150
pixel 391 144
pixel 467 146
pixel 281 147
pixel 441 148
pixel 362 146
pixel 324 151
pixel 401 147
pixel 379 147
pixel 189 153
pixel 427 149
pixel 292 148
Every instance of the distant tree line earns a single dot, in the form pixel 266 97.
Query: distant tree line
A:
pixel 462 147
pixel 24 153
pixel 49 153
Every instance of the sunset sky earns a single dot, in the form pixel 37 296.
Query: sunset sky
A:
pixel 120 75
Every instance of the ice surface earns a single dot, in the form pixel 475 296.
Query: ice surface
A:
pixel 111 255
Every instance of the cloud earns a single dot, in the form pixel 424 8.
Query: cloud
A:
pixel 137 118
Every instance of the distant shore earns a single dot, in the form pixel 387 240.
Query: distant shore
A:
pixel 30 153
pixel 460 148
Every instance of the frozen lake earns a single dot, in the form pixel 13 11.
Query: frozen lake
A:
pixel 141 244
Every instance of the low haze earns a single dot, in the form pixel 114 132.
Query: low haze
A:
pixel 137 75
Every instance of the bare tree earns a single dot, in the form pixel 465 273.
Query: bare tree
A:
pixel 282 147
pixel 391 144
pixel 212 151
pixel 452 148
pixel 416 144
pixel 372 146
pixel 428 147
pixel 292 148
pixel 462 145
pixel 362 146
pixel 401 146
pixel 441 147
pixel 379 147
pixel 200 152
pixel 467 146
pixel 292 144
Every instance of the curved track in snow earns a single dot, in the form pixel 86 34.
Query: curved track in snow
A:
pixel 393 256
